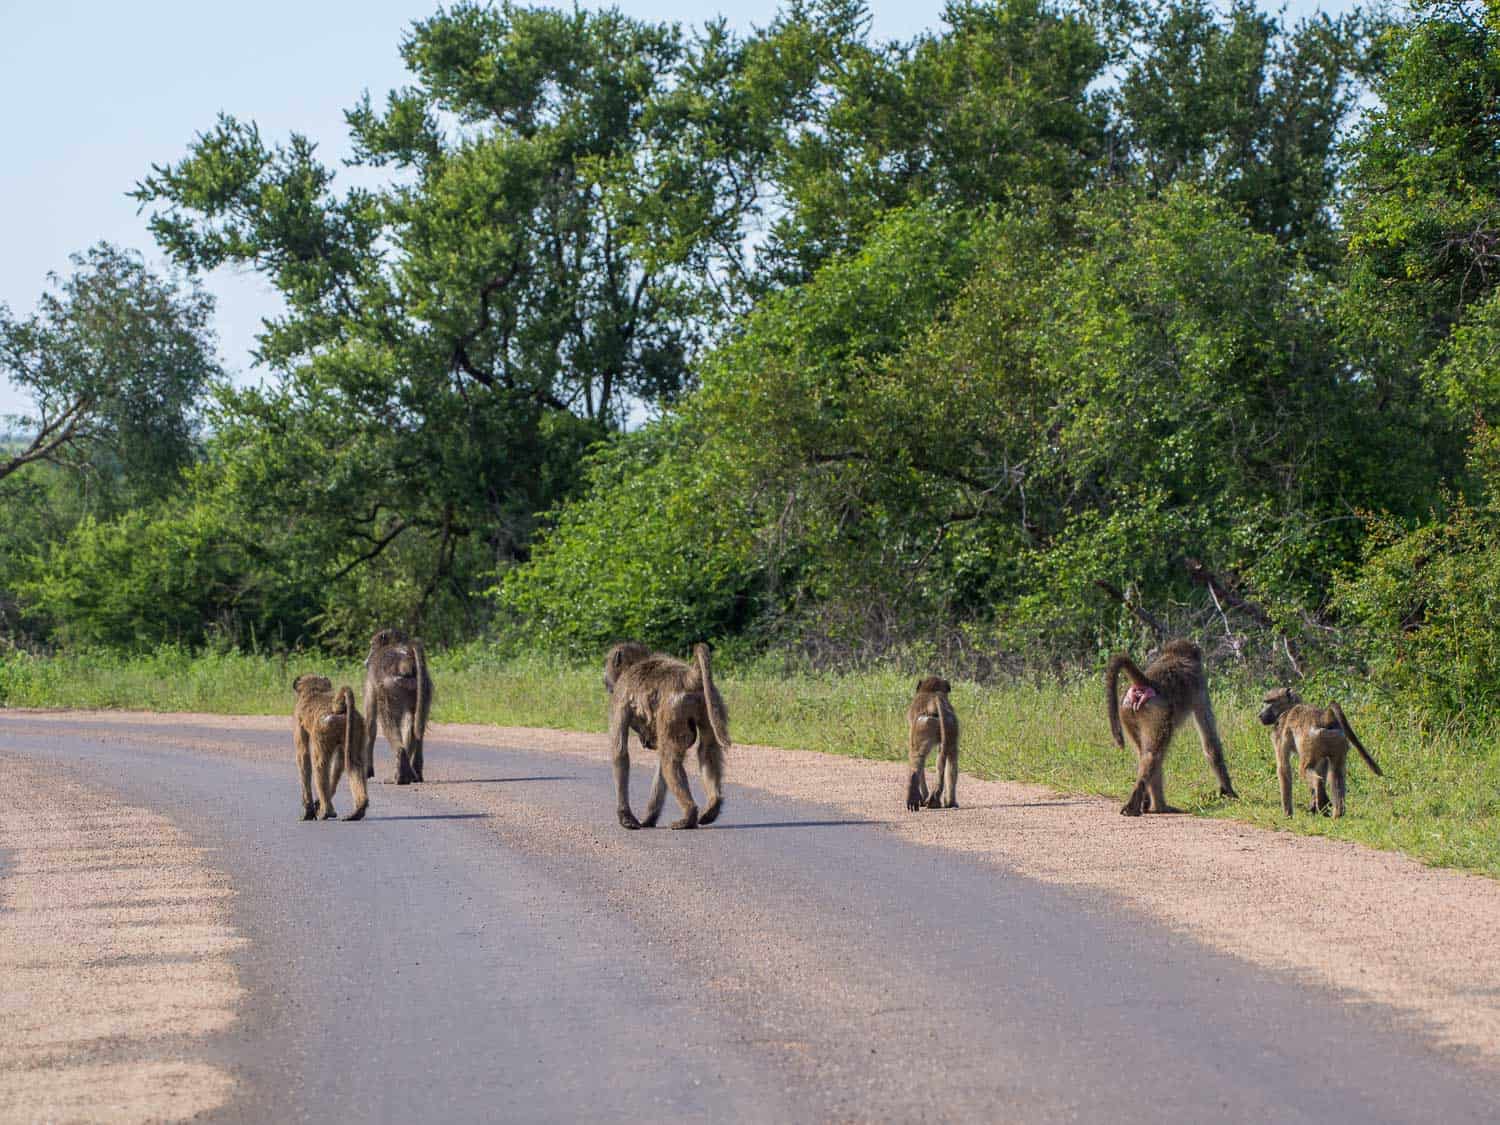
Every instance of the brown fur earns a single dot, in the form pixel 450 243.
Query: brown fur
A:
pixel 330 739
pixel 1181 688
pixel 1320 738
pixel 398 697
pixel 670 704
pixel 931 723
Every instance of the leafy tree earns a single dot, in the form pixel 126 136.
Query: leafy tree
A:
pixel 563 219
pixel 115 360
pixel 1423 213
pixel 995 108
pixel 1245 106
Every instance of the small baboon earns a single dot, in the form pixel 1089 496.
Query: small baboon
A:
pixel 398 697
pixel 330 739
pixel 1160 699
pixel 1320 738
pixel 669 704
pixel 931 723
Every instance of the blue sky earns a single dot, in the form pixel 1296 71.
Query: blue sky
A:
pixel 95 92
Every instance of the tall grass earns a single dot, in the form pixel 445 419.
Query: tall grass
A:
pixel 1438 800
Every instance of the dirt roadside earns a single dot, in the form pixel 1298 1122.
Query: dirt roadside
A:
pixel 1373 925
pixel 114 957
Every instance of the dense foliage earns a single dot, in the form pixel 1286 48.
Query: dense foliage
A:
pixel 1067 323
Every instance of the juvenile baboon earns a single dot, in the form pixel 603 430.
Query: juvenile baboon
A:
pixel 669 704
pixel 1160 699
pixel 330 739
pixel 931 723
pixel 398 697
pixel 1320 738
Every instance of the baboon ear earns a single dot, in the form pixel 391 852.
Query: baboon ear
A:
pixel 297 683
pixel 945 687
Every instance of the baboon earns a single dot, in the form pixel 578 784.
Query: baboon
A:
pixel 1320 738
pixel 398 697
pixel 669 704
pixel 1160 699
pixel 330 739
pixel 930 722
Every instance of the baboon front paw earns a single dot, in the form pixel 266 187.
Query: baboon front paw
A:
pixel 953 804
pixel 912 804
pixel 710 814
pixel 1228 793
pixel 329 814
pixel 628 820
pixel 309 812
pixel 935 801
pixel 357 814
pixel 1131 808
pixel 689 821
pixel 400 779
pixel 650 821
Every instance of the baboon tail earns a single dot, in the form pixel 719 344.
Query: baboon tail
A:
pixel 942 727
pixel 419 720
pixel 1354 738
pixel 346 697
pixel 1117 664
pixel 705 670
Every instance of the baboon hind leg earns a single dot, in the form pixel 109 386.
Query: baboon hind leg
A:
pixel 711 769
pixel 323 771
pixel 1284 772
pixel 677 781
pixel 359 788
pixel 655 798
pixel 1141 798
pixel 1317 790
pixel 1156 789
pixel 916 780
pixel 304 768
pixel 371 710
pixel 620 736
pixel 950 780
pixel 1336 780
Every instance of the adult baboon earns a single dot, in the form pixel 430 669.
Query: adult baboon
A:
pixel 930 722
pixel 1320 737
pixel 398 697
pixel 330 739
pixel 669 704
pixel 1160 699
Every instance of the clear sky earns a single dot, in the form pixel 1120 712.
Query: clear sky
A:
pixel 96 91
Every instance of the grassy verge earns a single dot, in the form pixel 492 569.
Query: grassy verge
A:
pixel 1438 802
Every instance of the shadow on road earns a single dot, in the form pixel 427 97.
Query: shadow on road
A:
pixel 796 824
pixel 497 780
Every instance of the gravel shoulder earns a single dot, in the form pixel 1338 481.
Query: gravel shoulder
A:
pixel 115 949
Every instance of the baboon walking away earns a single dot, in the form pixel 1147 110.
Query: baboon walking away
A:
pixel 1320 738
pixel 398 697
pixel 330 739
pixel 670 704
pixel 1172 689
pixel 931 724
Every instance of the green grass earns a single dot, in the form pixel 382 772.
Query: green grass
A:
pixel 1438 800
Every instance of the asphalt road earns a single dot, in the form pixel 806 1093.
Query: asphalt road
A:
pixel 491 946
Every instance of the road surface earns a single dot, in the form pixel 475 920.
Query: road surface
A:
pixel 491 946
